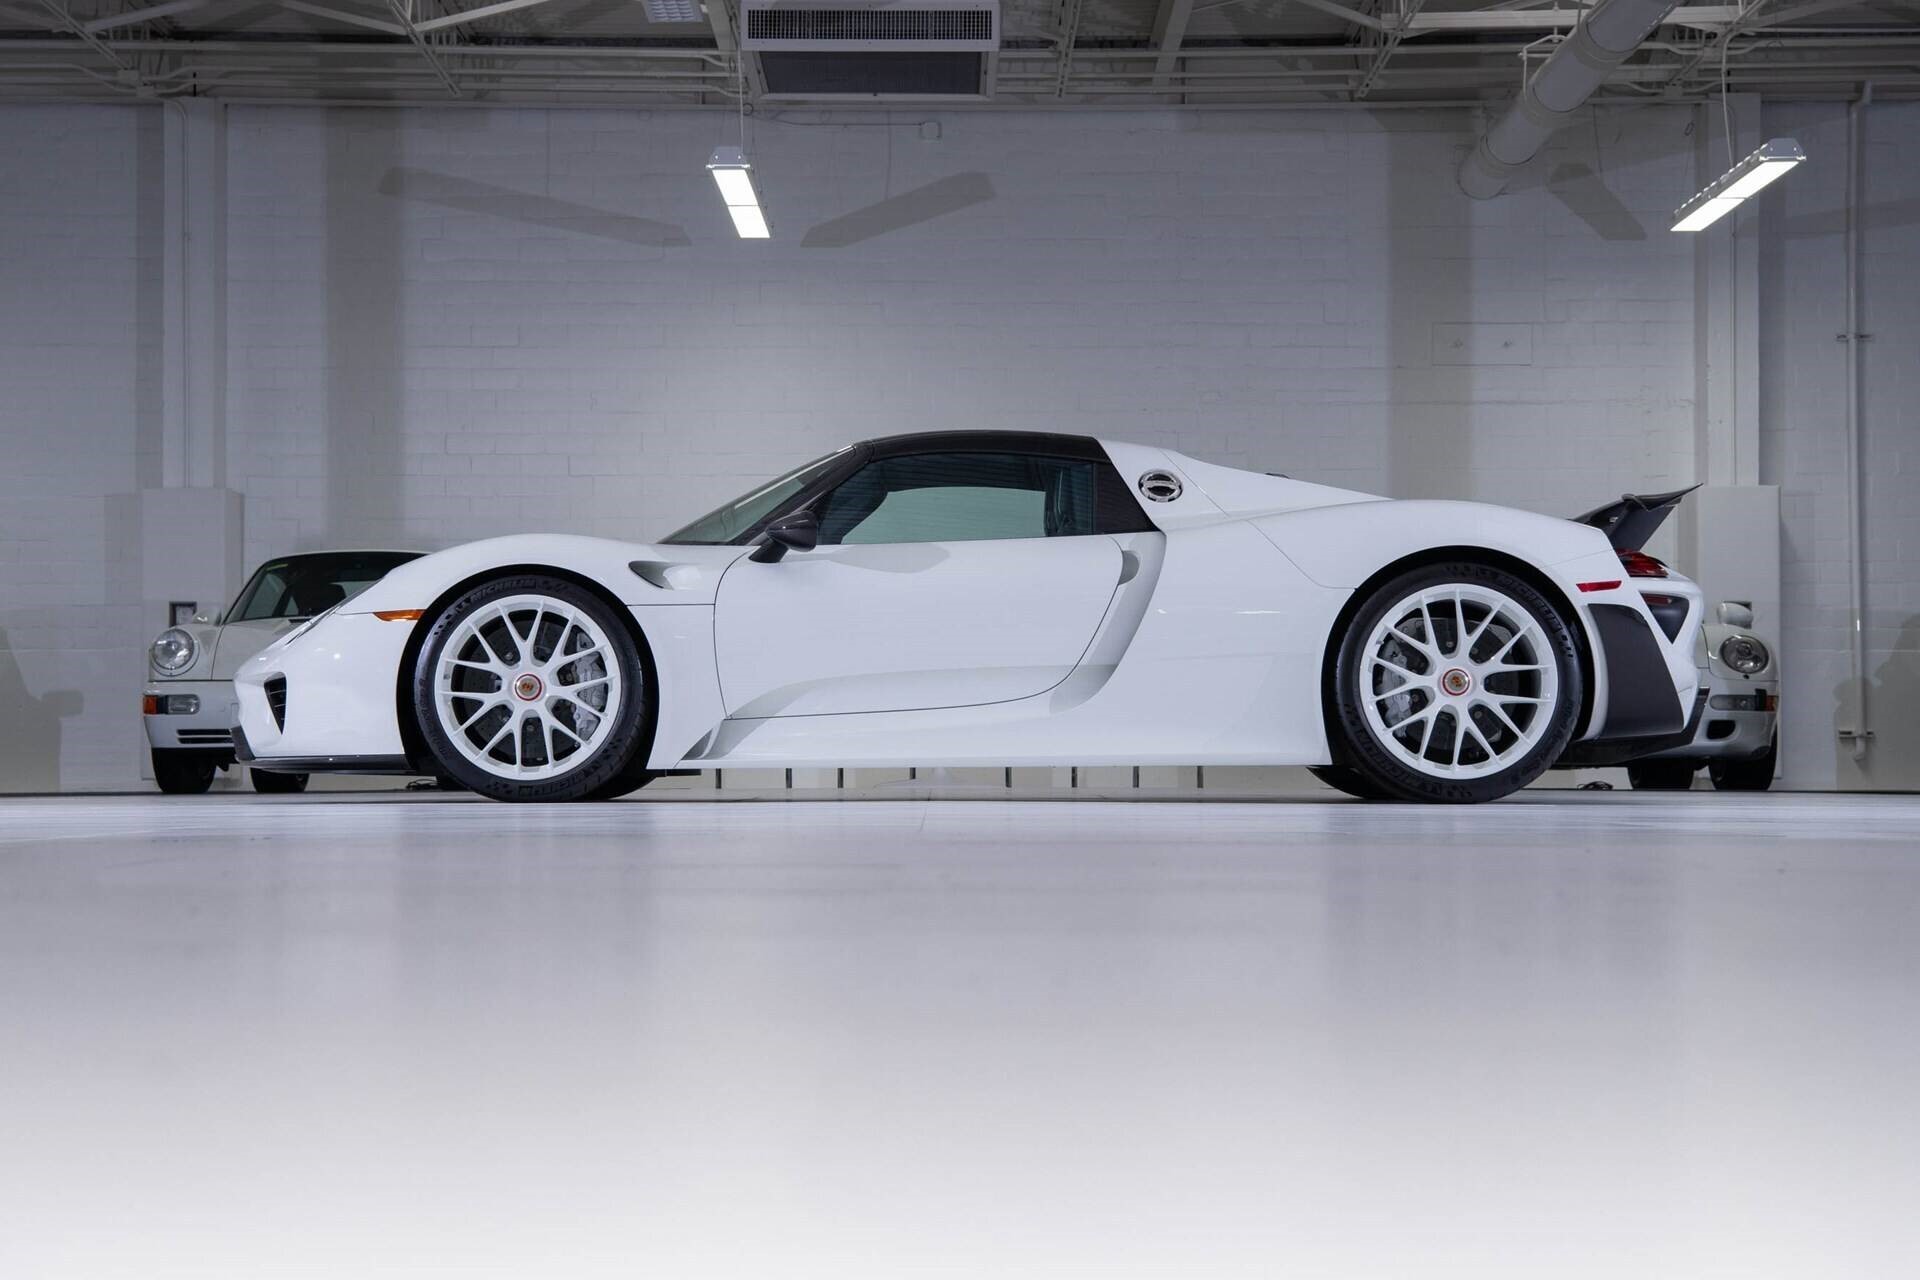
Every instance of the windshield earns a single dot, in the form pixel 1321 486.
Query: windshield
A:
pixel 723 525
pixel 301 586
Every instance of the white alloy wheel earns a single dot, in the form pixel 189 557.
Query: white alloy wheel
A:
pixel 1458 681
pixel 527 687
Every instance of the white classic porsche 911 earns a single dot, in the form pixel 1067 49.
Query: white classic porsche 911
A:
pixel 1000 598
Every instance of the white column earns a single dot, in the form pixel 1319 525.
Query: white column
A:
pixel 187 533
pixel 194 296
pixel 1727 269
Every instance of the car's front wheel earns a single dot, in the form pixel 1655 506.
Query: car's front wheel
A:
pixel 1347 781
pixel 1456 682
pixel 183 773
pixel 1746 775
pixel 531 688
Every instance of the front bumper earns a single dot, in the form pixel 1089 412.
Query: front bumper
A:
pixel 339 708
pixel 1727 735
pixel 384 765
pixel 208 729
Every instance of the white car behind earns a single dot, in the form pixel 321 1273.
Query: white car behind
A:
pixel 188 705
pixel 1737 739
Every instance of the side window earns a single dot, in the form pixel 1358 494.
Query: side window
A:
pixel 961 497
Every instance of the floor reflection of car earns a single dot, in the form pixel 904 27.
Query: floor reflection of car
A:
pixel 1738 737
pixel 188 704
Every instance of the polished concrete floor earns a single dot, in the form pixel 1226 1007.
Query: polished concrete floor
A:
pixel 1566 1035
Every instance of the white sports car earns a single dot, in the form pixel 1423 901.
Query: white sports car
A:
pixel 188 704
pixel 969 598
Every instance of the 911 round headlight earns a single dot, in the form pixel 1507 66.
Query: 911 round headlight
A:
pixel 173 651
pixel 1744 654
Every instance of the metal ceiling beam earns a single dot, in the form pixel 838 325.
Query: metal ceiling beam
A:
pixel 472 15
pixel 402 11
pixel 1793 13
pixel 129 73
pixel 1410 9
pixel 1341 11
pixel 341 15
pixel 147 14
pixel 1069 26
pixel 726 40
pixel 1169 30
pixel 1710 16
pixel 1716 47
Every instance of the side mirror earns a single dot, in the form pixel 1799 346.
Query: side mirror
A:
pixel 1736 613
pixel 797 532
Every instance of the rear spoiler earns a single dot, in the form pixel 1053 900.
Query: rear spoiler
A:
pixel 1629 522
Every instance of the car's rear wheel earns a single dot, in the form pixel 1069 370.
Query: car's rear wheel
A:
pixel 183 773
pixel 1662 775
pixel 531 688
pixel 1746 775
pixel 268 783
pixel 1456 683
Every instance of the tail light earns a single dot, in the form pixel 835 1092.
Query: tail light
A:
pixel 1641 565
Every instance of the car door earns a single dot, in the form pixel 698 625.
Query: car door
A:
pixel 941 579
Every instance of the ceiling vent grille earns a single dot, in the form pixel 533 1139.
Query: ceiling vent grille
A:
pixel 837 26
pixel 840 26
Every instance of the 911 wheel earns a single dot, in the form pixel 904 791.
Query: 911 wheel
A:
pixel 531 688
pixel 1746 775
pixel 1455 683
pixel 1662 775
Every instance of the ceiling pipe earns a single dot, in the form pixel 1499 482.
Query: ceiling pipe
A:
pixel 1610 31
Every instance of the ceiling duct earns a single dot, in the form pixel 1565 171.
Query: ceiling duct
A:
pixel 1604 38
pixel 847 50
pixel 878 26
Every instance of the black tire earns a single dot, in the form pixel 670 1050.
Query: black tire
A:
pixel 183 773
pixel 1349 781
pixel 601 765
pixel 1746 775
pixel 1384 769
pixel 1662 775
pixel 637 775
pixel 268 783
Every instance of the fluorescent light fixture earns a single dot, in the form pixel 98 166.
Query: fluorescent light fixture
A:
pixel 672 11
pixel 750 222
pixel 1747 178
pixel 734 176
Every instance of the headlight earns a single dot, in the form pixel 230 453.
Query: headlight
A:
pixel 173 652
pixel 1744 654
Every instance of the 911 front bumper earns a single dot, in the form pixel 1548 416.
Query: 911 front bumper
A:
pixel 207 728
pixel 1734 728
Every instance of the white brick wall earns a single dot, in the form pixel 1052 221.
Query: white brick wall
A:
pixel 446 324
pixel 79 387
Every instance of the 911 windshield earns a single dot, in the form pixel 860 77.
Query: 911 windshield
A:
pixel 301 586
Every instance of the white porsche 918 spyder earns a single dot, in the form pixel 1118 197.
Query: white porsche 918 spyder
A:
pixel 968 598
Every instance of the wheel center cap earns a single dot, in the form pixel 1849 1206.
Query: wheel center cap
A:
pixel 1457 681
pixel 528 687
